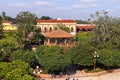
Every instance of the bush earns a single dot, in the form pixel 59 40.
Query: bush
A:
pixel 27 56
pixel 6 49
pixel 109 58
pixel 82 54
pixel 52 58
pixel 16 70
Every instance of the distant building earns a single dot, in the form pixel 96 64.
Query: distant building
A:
pixel 84 27
pixel 50 25
pixel 8 26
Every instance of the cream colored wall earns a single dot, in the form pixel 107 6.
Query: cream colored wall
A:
pixel 53 25
pixel 8 26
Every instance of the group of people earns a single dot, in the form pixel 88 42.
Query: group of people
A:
pixel 54 76
pixel 68 78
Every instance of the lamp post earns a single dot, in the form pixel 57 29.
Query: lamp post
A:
pixel 2 49
pixel 95 55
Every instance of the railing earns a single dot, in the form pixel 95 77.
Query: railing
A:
pixel 60 44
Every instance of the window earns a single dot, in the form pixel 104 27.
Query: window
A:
pixel 40 29
pixel 50 29
pixel 71 28
pixel 45 29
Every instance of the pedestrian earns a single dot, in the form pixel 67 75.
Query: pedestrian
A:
pixel 68 78
pixel 53 75
pixel 89 79
pixel 60 74
pixel 39 78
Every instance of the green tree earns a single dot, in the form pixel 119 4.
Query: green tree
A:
pixel 3 15
pixel 82 54
pixel 83 37
pixel 63 27
pixel 45 18
pixel 52 58
pixel 1 28
pixel 27 56
pixel 7 46
pixel 10 19
pixel 0 20
pixel 109 58
pixel 106 31
pixel 82 22
pixel 27 28
pixel 16 70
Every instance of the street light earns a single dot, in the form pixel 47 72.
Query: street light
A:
pixel 37 70
pixel 95 55
pixel 2 49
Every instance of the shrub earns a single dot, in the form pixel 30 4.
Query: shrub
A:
pixel 109 58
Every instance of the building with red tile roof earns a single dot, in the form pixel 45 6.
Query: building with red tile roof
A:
pixel 56 21
pixel 5 21
pixel 58 37
pixel 84 27
pixel 58 34
pixel 8 26
pixel 50 25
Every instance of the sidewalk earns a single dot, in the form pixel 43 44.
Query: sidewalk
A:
pixel 110 76
pixel 78 75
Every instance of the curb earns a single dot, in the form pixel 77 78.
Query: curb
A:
pixel 100 73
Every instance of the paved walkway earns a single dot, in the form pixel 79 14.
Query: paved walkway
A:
pixel 110 76
pixel 80 76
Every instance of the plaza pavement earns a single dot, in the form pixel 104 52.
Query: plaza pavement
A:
pixel 80 76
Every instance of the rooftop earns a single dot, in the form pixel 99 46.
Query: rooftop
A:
pixel 85 26
pixel 58 34
pixel 5 21
pixel 57 21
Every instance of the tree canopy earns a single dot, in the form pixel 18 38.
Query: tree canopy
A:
pixel 27 29
pixel 16 70
pixel 26 56
pixel 52 58
pixel 109 58
pixel 45 18
pixel 82 54
pixel 0 20
pixel 7 46
pixel 82 22
pixel 106 31
pixel 63 27
pixel 3 14
pixel 1 28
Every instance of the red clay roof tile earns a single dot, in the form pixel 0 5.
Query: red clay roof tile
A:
pixel 57 21
pixel 85 27
pixel 58 34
